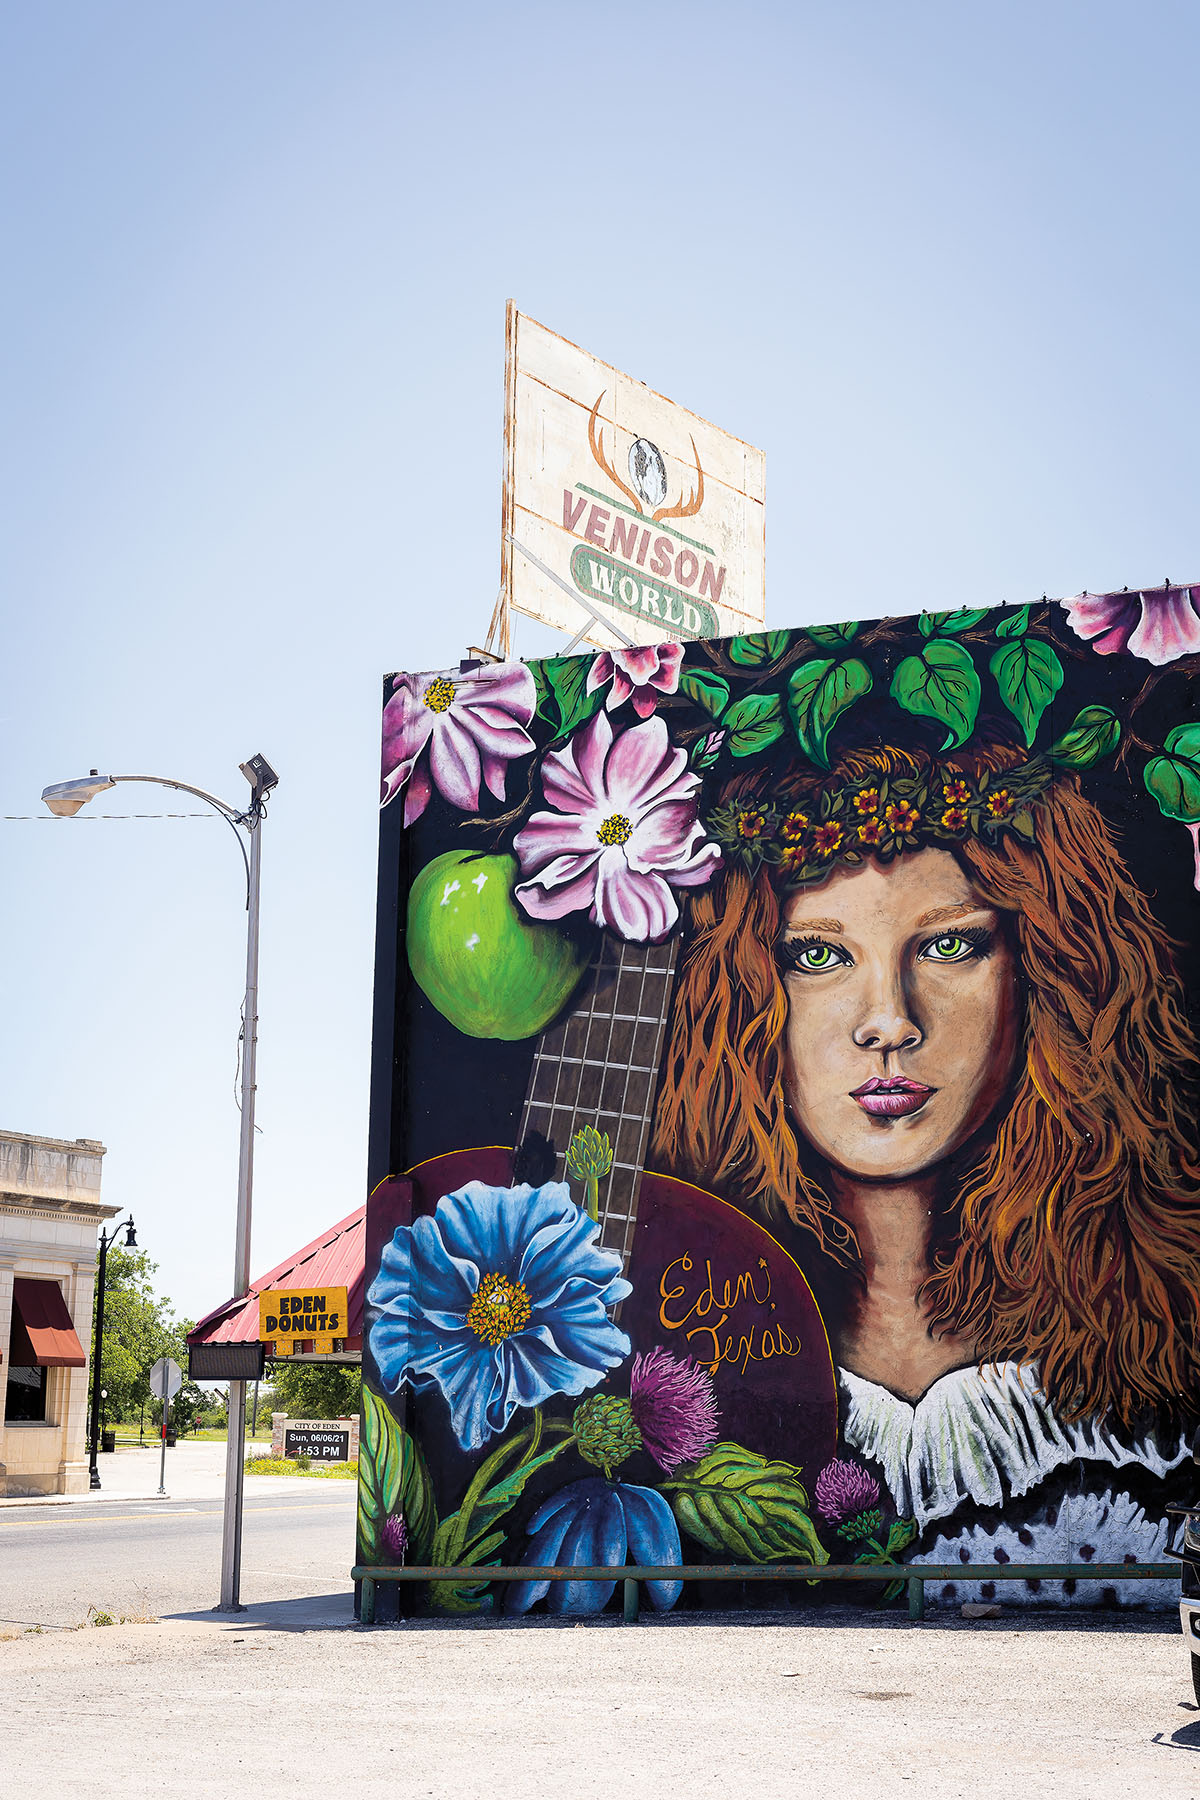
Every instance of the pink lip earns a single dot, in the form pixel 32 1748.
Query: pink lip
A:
pixel 892 1097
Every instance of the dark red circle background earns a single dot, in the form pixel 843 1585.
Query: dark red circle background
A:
pixel 784 1404
pixel 780 1402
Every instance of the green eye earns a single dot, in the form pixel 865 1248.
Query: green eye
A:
pixel 951 948
pixel 816 956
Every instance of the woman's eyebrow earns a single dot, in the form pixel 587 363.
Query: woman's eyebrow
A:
pixel 815 925
pixel 942 915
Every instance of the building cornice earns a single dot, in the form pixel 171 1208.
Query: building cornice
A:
pixel 26 1206
pixel 69 1146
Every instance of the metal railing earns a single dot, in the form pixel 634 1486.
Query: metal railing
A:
pixel 372 1576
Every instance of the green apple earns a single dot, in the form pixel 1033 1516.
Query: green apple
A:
pixel 493 972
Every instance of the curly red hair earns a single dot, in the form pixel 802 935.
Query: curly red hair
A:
pixel 1078 1219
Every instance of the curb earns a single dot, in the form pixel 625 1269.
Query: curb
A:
pixel 216 1494
pixel 84 1499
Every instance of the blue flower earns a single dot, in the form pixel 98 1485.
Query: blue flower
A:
pixel 598 1524
pixel 499 1299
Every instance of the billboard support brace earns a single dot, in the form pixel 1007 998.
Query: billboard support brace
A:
pixel 578 598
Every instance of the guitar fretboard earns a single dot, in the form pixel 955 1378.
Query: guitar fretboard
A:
pixel 598 1066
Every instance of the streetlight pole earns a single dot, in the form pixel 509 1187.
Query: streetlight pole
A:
pixel 235 1443
pixel 107 1239
pixel 65 799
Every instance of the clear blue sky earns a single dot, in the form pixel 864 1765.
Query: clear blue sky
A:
pixel 939 261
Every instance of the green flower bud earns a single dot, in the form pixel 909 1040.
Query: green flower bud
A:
pixel 590 1154
pixel 862 1525
pixel 605 1433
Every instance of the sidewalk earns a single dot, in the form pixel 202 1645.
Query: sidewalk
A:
pixel 194 1472
pixel 702 1706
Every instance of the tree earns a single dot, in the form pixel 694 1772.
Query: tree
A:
pixel 316 1390
pixel 139 1327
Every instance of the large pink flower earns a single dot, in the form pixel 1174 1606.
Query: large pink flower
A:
pixel 639 672
pixel 625 833
pixel 1158 624
pixel 473 724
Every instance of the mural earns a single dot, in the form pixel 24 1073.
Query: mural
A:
pixel 783 1126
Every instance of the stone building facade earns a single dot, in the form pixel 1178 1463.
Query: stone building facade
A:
pixel 50 1216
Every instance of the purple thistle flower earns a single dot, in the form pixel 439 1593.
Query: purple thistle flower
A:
pixel 395 1537
pixel 674 1407
pixel 844 1490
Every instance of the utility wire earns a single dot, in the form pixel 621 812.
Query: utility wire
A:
pixel 53 818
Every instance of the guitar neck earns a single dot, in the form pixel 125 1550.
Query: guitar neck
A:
pixel 598 1065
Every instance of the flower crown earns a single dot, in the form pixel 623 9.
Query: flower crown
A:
pixel 880 818
pixel 643 769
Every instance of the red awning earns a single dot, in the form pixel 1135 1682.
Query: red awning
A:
pixel 42 1331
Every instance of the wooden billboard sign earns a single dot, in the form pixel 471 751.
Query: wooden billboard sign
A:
pixel 626 518
pixel 288 1317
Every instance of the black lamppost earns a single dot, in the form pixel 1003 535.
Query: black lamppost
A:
pixel 107 1239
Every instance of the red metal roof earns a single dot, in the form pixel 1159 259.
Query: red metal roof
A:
pixel 336 1259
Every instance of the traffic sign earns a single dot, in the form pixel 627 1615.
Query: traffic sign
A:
pixel 166 1379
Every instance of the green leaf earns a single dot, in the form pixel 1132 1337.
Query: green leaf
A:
pixel 818 694
pixel 546 706
pixel 940 684
pixel 392 1477
pixel 734 1466
pixel 945 624
pixel 709 691
pixel 833 636
pixel 470 1535
pixel 1174 777
pixel 492 1506
pixel 900 1536
pixel 753 723
pixel 465 1597
pixel 567 676
pixel 1015 624
pixel 462 1597
pixel 444 1597
pixel 734 1500
pixel 1028 674
pixel 758 647
pixel 1094 732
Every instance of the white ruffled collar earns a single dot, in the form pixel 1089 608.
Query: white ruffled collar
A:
pixel 983 1433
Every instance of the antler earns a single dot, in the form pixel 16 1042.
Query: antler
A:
pixel 597 449
pixel 686 508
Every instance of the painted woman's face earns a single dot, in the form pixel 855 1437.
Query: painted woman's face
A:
pixel 903 1014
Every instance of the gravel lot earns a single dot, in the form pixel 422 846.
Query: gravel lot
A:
pixel 290 1698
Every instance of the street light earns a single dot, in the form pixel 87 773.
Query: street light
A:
pixel 107 1240
pixel 64 800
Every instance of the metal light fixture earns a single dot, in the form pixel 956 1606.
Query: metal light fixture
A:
pixel 65 799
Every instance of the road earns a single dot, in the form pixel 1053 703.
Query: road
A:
pixel 163 1557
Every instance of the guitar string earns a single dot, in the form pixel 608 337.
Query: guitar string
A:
pixel 631 1201
pixel 560 1065
pixel 634 1014
pixel 560 1059
pixel 664 976
pixel 614 1006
